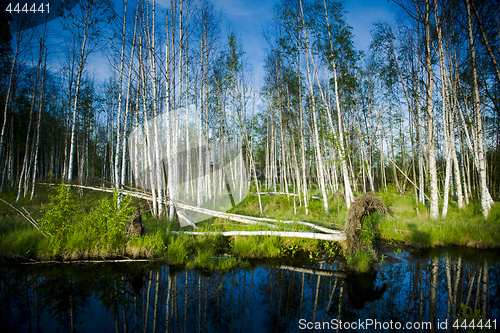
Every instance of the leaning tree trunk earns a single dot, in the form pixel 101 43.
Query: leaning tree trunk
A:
pixel 479 146
pixel 319 158
pixel 7 96
pixel 349 197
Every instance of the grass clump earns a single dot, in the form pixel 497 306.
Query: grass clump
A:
pixel 361 260
pixel 20 242
pixel 146 246
pixel 256 247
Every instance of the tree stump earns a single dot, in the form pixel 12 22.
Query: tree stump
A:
pixel 135 226
pixel 363 205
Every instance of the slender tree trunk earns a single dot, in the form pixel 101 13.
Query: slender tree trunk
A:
pixel 319 158
pixel 485 195
pixel 445 111
pixel 81 65
pixel 434 209
pixel 127 102
pixel 148 162
pixel 118 119
pixel 37 140
pixel 349 197
pixel 25 167
pixel 302 141
pixel 8 94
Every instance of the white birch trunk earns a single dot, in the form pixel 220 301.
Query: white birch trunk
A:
pixel 118 119
pixel 170 178
pixel 319 158
pixel 124 139
pixel 37 140
pixel 81 65
pixel 349 197
pixel 9 91
pixel 148 162
pixel 24 171
pixel 486 200
pixel 434 209
pixel 445 111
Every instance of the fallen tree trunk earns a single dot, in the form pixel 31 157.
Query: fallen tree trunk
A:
pixel 337 237
pixel 229 216
pixel 322 272
pixel 51 262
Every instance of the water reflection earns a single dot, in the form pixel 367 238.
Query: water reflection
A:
pixel 422 287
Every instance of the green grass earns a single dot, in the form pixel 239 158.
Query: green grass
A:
pixel 361 261
pixel 462 227
pixel 408 223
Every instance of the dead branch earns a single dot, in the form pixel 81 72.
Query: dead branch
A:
pixel 29 218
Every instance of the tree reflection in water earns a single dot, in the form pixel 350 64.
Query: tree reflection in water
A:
pixel 153 297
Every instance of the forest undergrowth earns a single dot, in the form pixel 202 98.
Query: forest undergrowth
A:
pixel 83 225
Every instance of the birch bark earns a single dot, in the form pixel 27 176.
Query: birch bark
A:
pixel 319 158
pixel 486 200
pixel 434 209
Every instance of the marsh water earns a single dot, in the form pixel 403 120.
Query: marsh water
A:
pixel 408 289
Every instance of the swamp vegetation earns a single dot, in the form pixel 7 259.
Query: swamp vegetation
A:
pixel 86 225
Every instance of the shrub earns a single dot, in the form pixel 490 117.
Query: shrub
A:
pixel 99 232
pixel 58 218
pixel 106 224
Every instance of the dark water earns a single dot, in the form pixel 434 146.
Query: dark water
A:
pixel 406 289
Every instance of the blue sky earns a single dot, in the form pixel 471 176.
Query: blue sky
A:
pixel 249 18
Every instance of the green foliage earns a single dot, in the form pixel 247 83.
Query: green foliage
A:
pixel 58 218
pixel 289 250
pixel 105 225
pixel 75 234
pixel 360 261
pixel 331 249
pixel 471 318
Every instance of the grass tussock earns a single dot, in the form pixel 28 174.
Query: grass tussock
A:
pixel 361 261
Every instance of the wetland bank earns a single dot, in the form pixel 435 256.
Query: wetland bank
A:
pixel 251 284
pixel 410 287
pixel 86 225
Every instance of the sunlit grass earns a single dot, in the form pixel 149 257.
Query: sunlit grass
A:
pixel 408 223
pixel 361 261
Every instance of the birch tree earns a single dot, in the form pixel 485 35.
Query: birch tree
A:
pixel 87 26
